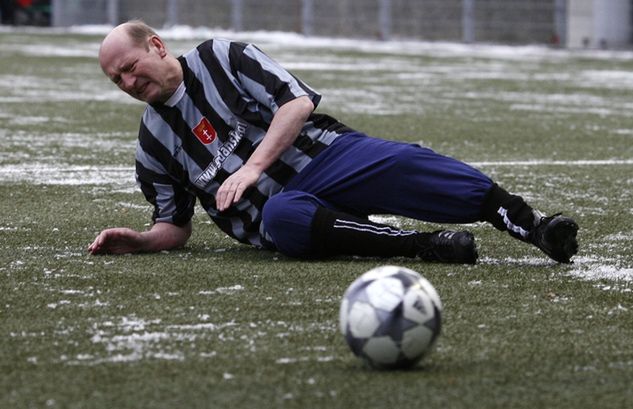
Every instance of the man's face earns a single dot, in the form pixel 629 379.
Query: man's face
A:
pixel 139 71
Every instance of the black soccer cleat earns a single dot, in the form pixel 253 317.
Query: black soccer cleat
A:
pixel 555 236
pixel 446 246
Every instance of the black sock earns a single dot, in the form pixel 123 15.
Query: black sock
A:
pixel 508 212
pixel 337 233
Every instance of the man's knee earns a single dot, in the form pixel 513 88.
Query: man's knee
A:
pixel 273 212
pixel 287 218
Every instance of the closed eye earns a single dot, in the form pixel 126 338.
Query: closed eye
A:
pixel 125 69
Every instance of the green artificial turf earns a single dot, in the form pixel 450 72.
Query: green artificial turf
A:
pixel 219 324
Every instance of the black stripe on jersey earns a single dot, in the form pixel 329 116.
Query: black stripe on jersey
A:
pixel 252 69
pixel 280 172
pixel 327 123
pixel 230 96
pixel 257 198
pixel 236 49
pixel 308 146
pixel 252 226
pixel 244 149
pixel 150 195
pixel 184 201
pixel 248 224
pixel 208 203
pixel 151 146
pixel 185 208
pixel 223 223
pixel 194 148
pixel 195 90
pixel 221 176
pixel 147 188
pixel 145 174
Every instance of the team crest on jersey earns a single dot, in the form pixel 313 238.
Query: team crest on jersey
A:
pixel 225 150
pixel 204 131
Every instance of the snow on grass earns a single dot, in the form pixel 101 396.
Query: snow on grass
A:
pixel 584 267
pixel 72 175
pixel 223 290
pixel 131 339
pixel 594 268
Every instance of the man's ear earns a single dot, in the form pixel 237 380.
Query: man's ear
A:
pixel 157 43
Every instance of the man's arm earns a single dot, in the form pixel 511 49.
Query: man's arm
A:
pixel 284 129
pixel 121 240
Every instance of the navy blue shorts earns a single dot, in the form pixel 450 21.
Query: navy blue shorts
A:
pixel 362 175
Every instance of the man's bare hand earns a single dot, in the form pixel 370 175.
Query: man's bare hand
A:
pixel 233 188
pixel 121 240
pixel 118 240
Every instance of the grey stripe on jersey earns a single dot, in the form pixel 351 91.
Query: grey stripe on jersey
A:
pixel 211 92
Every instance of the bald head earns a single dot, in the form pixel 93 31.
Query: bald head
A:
pixel 135 58
pixel 134 33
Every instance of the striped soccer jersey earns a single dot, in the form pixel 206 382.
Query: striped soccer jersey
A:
pixel 209 128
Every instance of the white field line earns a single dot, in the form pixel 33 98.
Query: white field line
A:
pixel 599 162
pixel 62 174
pixel 50 174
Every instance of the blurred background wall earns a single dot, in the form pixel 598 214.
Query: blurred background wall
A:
pixel 566 23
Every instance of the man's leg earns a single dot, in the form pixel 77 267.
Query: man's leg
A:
pixel 364 175
pixel 554 235
pixel 300 225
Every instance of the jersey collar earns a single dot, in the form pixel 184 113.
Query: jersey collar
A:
pixel 176 96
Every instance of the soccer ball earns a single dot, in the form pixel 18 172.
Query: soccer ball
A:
pixel 390 317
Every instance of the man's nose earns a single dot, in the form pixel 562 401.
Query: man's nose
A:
pixel 127 80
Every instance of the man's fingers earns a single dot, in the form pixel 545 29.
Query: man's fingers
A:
pixel 239 191
pixel 97 244
pixel 224 201
pixel 94 244
pixel 228 194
